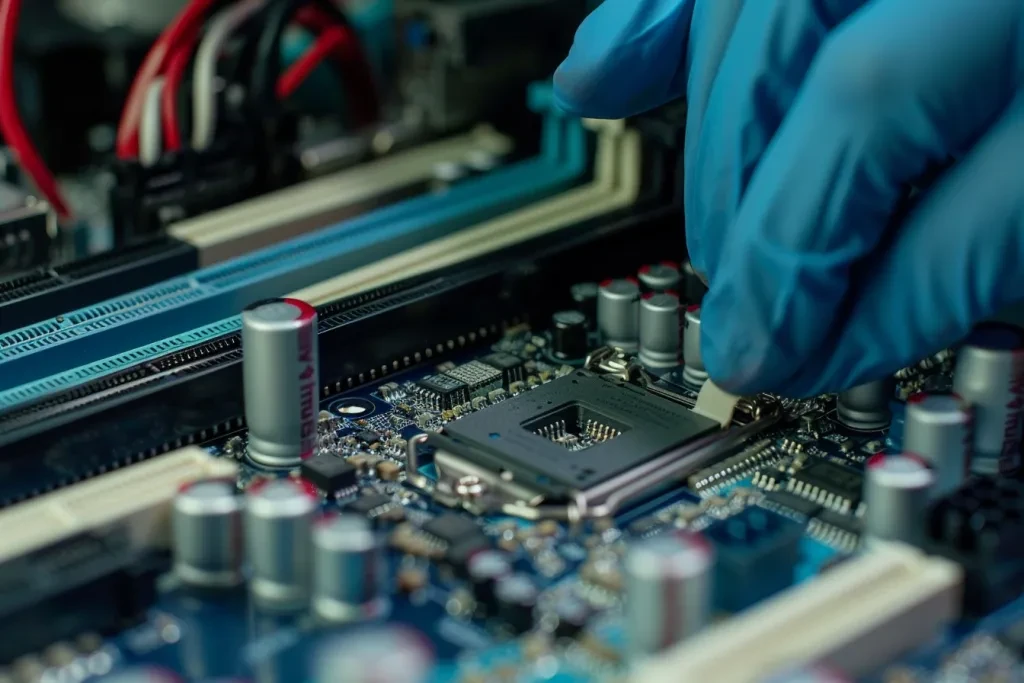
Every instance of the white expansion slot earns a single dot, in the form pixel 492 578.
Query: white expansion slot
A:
pixel 281 215
pixel 136 498
pixel 854 619
pixel 616 184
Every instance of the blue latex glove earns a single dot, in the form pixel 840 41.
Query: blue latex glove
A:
pixel 807 121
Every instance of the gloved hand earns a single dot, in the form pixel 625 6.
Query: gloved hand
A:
pixel 807 122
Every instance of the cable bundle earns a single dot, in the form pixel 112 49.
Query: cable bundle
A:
pixel 150 121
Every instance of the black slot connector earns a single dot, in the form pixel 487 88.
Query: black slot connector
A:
pixel 98 584
pixel 981 527
pixel 146 200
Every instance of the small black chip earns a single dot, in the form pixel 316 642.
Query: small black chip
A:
pixel 443 391
pixel 479 377
pixel 367 504
pixel 790 505
pixel 457 555
pixel 328 473
pixel 452 529
pixel 833 486
pixel 511 366
pixel 368 437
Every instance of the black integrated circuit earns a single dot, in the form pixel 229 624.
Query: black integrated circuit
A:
pixel 828 484
pixel 478 376
pixel 329 473
pixel 511 367
pixel 442 391
pixel 521 436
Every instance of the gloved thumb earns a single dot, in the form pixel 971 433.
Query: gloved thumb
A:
pixel 628 56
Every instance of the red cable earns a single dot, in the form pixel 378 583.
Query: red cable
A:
pixel 10 121
pixel 169 96
pixel 355 67
pixel 186 24
pixel 331 40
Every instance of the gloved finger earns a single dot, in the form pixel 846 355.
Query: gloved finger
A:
pixel 766 61
pixel 711 27
pixel 958 258
pixel 628 56
pixel 898 87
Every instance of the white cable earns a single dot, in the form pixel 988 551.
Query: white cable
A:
pixel 151 143
pixel 204 86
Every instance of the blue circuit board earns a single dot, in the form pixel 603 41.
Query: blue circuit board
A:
pixel 225 637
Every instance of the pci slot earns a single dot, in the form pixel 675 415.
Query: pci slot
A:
pixel 855 618
pixel 615 185
pixel 135 499
pixel 30 296
pixel 215 293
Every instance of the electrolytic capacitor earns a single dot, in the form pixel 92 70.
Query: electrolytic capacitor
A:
pixel 386 654
pixel 668 590
pixel 279 538
pixel 694 373
pixel 281 373
pixel 938 428
pixel 584 296
pixel 568 335
pixel 866 406
pixel 484 569
pixel 349 570
pixel 660 277
pixel 990 377
pixel 517 597
pixel 660 330
pixel 206 528
pixel 897 489
pixel 618 314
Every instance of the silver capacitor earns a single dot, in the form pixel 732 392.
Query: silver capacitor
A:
pixel 385 654
pixel 668 590
pixel 281 375
pixel 618 314
pixel 660 277
pixel 897 489
pixel 866 406
pixel 206 534
pixel 279 518
pixel 660 330
pixel 938 428
pixel 694 373
pixel 989 375
pixel 349 570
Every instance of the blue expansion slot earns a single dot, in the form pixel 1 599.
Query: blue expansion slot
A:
pixel 210 295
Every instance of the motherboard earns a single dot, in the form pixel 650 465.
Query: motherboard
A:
pixel 550 506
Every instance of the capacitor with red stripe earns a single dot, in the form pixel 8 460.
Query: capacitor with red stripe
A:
pixel 660 330
pixel 939 428
pixel 668 590
pixel 280 370
pixel 660 277
pixel 989 375
pixel 618 313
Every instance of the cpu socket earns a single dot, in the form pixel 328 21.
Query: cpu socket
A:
pixel 549 451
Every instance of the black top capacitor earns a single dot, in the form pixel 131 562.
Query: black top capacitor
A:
pixel 568 335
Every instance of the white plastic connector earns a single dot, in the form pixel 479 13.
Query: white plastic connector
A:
pixel 853 619
pixel 136 498
pixel 616 184
pixel 308 206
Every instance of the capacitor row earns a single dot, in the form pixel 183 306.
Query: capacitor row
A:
pixel 275 535
pixel 643 315
pixel 976 428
